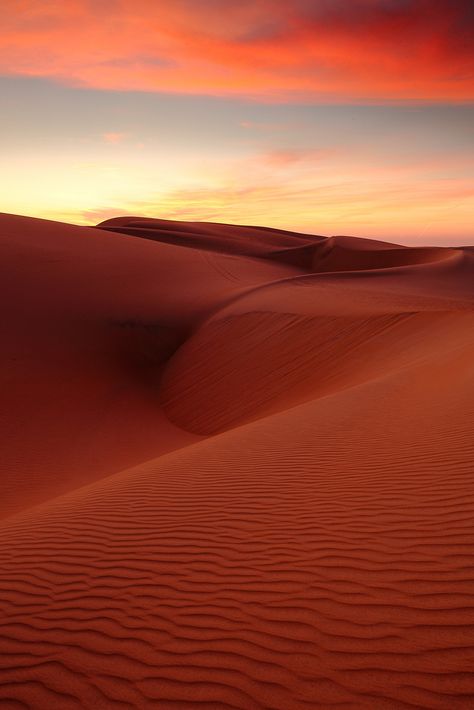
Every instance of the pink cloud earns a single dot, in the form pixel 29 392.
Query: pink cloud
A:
pixel 289 157
pixel 114 137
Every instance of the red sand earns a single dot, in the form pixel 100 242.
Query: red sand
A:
pixel 237 469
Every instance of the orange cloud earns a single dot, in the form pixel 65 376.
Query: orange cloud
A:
pixel 291 157
pixel 114 137
pixel 304 50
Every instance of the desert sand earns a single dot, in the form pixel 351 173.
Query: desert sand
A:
pixel 237 469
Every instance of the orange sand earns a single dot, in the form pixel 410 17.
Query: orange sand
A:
pixel 237 469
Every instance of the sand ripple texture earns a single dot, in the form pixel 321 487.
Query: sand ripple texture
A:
pixel 251 481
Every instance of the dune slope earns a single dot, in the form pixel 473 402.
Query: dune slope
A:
pixel 88 320
pixel 306 540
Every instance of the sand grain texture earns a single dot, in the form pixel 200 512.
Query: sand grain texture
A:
pixel 238 471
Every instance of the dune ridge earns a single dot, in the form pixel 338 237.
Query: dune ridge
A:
pixel 248 479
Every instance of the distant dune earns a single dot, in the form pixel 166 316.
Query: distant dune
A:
pixel 237 469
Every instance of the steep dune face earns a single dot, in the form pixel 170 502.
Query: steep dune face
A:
pixel 88 320
pixel 237 369
pixel 302 534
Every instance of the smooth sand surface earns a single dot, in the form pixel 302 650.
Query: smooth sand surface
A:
pixel 237 469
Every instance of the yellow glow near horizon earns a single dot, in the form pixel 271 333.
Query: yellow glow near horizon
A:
pixel 325 194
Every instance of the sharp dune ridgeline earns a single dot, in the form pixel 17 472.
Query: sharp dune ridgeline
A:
pixel 237 469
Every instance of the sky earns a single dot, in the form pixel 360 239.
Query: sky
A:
pixel 321 116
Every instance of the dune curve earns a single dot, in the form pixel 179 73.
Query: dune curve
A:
pixel 234 479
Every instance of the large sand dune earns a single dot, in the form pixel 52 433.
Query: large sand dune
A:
pixel 237 469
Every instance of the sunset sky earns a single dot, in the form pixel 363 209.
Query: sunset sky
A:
pixel 324 116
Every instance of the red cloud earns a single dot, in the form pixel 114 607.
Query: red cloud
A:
pixel 304 50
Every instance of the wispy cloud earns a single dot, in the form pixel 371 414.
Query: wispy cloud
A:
pixel 411 204
pixel 114 137
pixel 284 158
pixel 268 127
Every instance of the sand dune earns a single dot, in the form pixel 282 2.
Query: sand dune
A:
pixel 238 469
pixel 88 320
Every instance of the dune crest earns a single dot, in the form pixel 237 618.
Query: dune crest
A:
pixel 237 471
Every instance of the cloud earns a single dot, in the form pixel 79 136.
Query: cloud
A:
pixel 114 137
pixel 364 51
pixel 268 127
pixel 417 216
pixel 326 194
pixel 284 158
